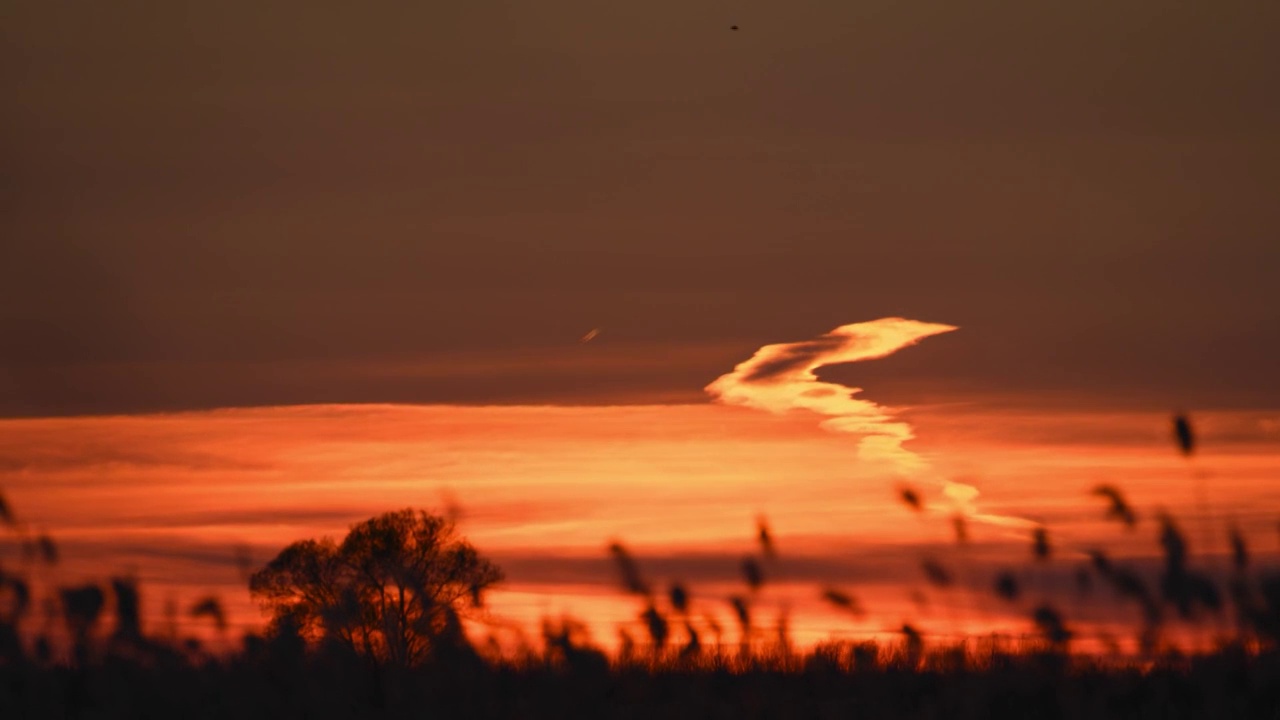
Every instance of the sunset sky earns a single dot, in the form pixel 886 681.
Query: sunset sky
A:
pixel 267 272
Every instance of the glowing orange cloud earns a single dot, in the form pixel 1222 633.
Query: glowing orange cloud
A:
pixel 780 377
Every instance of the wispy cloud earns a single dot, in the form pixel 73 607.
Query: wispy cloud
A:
pixel 781 377
pixel 963 499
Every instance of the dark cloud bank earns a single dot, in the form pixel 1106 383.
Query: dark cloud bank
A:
pixel 220 204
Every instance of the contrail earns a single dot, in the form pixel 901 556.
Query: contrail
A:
pixel 781 377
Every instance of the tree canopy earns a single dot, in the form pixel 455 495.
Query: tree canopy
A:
pixel 392 590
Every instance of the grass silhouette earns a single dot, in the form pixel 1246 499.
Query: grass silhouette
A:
pixel 80 651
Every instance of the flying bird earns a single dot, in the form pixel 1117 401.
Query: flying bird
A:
pixel 591 335
pixel 733 27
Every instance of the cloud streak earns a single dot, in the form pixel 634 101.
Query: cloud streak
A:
pixel 782 377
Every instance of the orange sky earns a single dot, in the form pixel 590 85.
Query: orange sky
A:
pixel 265 273
pixel 543 489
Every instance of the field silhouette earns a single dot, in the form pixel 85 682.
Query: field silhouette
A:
pixel 375 625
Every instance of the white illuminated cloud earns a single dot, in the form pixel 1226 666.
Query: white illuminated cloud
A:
pixel 781 377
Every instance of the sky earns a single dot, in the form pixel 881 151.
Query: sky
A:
pixel 257 261
pixel 231 205
pixel 188 503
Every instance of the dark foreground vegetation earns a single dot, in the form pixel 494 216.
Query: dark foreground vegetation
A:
pixel 278 680
pixel 373 626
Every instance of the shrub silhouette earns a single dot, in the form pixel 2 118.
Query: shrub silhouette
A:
pixel 391 591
